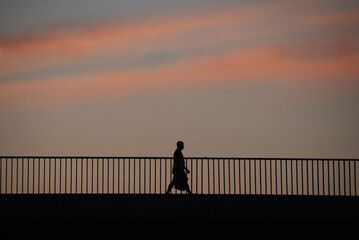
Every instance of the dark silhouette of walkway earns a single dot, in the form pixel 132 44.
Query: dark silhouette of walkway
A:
pixel 179 206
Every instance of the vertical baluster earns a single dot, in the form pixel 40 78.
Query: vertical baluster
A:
pixel 234 175
pixel 318 177
pixel 113 175
pixel 6 176
pixel 350 179
pixel 201 175
pixel 355 177
pixel 270 176
pixel 249 177
pixel 307 166
pixel 150 169
pixel 245 175
pixel 229 177
pixel 302 175
pixel 214 177
pixel 1 175
pixel 255 175
pixel 139 175
pixel 11 175
pixel 108 175
pixel 281 176
pixel 208 183
pixel 312 176
pixel 219 179
pixel 155 175
pixel 344 175
pixel 17 174
pixel 239 176
pixel 123 177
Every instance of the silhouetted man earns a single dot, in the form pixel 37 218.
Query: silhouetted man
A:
pixel 179 180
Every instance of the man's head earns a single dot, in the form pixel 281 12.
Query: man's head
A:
pixel 180 145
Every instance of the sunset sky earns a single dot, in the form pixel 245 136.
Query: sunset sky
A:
pixel 252 78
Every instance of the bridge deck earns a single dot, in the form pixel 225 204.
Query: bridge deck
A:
pixel 179 206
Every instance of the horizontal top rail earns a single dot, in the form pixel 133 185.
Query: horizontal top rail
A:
pixel 194 158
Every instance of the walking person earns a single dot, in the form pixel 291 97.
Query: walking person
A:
pixel 179 171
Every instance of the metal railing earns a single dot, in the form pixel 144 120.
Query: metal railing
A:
pixel 152 175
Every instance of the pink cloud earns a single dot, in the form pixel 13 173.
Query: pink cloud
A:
pixel 307 60
pixel 30 52
pixel 254 65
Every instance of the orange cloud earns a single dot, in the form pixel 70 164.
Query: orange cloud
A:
pixel 61 45
pixel 31 52
pixel 255 65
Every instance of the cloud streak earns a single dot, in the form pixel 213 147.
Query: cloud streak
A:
pixel 63 45
pixel 222 47
pixel 254 65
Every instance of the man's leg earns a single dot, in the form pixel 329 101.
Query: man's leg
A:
pixel 170 187
pixel 187 189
